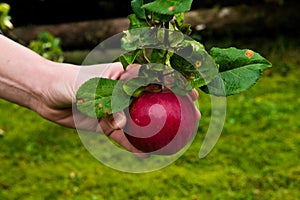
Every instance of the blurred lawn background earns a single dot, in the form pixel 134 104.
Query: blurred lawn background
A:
pixel 256 157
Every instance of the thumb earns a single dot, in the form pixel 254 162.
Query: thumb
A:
pixel 131 71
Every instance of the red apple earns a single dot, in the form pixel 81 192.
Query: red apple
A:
pixel 161 122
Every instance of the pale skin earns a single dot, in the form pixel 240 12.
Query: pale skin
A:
pixel 49 88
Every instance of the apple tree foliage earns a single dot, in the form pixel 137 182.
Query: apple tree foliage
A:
pixel 5 18
pixel 158 39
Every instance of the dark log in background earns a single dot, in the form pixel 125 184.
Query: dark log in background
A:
pixel 86 25
pixel 60 11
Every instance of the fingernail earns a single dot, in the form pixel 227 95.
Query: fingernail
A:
pixel 118 120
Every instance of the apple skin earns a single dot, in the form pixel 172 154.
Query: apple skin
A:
pixel 161 123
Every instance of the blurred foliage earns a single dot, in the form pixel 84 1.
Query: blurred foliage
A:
pixel 5 18
pixel 47 46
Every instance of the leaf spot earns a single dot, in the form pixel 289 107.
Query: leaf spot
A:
pixel 171 8
pixel 198 63
pixel 249 53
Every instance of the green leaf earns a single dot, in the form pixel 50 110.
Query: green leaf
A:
pixel 140 38
pixel 5 22
pixel 232 58
pixel 133 85
pixel 168 7
pixel 181 86
pixel 119 98
pixel 148 74
pixel 158 67
pixel 239 70
pixel 129 58
pixel 162 17
pixel 94 97
pixel 158 56
pixel 150 71
pixel 175 37
pixel 184 28
pixel 136 22
pixel 193 62
pixel 136 6
pixel 179 19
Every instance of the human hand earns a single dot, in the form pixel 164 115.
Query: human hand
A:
pixel 59 97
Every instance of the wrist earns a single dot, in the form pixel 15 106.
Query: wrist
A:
pixel 56 88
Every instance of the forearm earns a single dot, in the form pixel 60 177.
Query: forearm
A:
pixel 23 73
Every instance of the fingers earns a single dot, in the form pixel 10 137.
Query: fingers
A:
pixel 111 127
pixel 112 123
pixel 131 71
pixel 194 95
pixel 114 71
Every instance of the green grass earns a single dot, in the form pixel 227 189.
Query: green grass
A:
pixel 257 156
